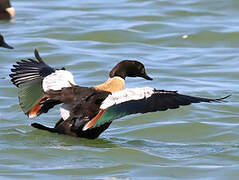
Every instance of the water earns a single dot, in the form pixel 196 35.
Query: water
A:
pixel 188 45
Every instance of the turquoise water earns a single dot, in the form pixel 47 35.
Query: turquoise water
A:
pixel 187 45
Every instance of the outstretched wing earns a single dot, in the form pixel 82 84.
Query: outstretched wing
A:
pixel 29 70
pixel 28 76
pixel 142 100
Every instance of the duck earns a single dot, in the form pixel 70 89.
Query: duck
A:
pixel 87 112
pixel 7 12
pixel 3 43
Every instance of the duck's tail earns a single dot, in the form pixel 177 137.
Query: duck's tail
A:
pixel 42 127
pixel 28 76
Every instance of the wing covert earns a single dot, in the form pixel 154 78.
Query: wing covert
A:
pixel 159 100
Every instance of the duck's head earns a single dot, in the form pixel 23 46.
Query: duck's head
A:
pixel 3 43
pixel 6 10
pixel 129 68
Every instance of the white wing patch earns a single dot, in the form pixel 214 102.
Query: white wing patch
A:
pixel 58 80
pixel 65 111
pixel 126 95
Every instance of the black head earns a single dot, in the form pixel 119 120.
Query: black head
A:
pixel 129 68
pixel 4 4
pixel 3 43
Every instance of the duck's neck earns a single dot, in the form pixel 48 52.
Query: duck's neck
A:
pixel 113 84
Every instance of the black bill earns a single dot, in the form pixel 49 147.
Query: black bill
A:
pixel 5 45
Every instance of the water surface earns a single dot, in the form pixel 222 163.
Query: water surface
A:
pixel 188 45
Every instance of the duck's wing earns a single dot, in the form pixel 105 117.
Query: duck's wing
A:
pixel 28 76
pixel 78 101
pixel 25 71
pixel 141 100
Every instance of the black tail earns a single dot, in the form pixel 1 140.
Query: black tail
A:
pixel 42 127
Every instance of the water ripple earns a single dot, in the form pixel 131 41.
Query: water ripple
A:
pixel 188 45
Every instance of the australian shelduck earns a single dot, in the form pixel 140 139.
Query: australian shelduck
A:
pixel 88 111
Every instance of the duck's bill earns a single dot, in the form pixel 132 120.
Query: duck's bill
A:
pixel 145 76
pixel 5 45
